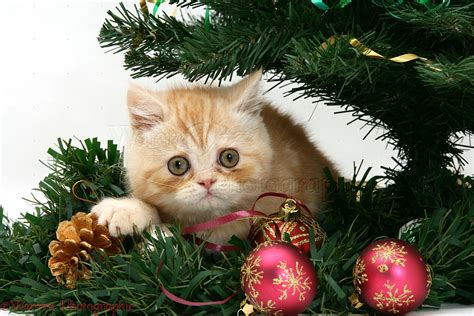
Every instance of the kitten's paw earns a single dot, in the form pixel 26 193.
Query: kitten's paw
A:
pixel 122 216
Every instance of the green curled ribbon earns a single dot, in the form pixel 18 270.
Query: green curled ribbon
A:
pixel 156 6
pixel 323 6
pixel 320 4
pixel 207 19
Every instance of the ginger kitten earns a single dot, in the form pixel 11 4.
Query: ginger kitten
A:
pixel 199 153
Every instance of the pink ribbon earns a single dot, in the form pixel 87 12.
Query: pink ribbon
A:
pixel 180 300
pixel 222 220
pixel 243 214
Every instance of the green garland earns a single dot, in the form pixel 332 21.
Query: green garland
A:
pixel 359 212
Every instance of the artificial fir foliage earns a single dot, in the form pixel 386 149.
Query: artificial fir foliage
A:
pixel 354 218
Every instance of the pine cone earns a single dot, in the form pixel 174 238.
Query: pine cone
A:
pixel 77 238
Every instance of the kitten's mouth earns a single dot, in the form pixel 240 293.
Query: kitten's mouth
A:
pixel 209 196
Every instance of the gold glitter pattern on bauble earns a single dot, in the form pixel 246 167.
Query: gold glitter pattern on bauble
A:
pixel 392 298
pixel 250 273
pixel 382 268
pixel 429 279
pixel 269 307
pixel 359 274
pixel 390 251
pixel 293 281
pixel 254 293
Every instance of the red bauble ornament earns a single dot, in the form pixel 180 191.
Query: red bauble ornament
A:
pixel 290 220
pixel 277 278
pixel 391 276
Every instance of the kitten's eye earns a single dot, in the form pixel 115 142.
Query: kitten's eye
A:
pixel 178 165
pixel 229 158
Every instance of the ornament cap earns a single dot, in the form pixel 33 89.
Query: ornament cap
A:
pixel 289 210
pixel 354 299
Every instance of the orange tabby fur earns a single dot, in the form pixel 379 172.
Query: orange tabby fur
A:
pixel 275 154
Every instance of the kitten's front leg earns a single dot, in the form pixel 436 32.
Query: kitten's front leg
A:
pixel 121 215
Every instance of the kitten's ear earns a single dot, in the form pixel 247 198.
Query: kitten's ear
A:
pixel 246 93
pixel 144 107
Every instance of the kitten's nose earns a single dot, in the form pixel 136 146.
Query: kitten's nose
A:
pixel 207 183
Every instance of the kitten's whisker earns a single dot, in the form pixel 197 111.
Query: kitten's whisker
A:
pixel 165 185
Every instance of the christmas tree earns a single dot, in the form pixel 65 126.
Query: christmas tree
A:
pixel 405 66
pixel 341 52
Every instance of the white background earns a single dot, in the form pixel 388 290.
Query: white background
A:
pixel 57 82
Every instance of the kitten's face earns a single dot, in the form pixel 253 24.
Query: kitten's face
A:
pixel 198 153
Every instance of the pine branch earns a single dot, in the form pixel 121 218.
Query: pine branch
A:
pixel 444 22
pixel 290 38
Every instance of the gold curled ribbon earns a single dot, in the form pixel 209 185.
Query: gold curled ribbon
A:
pixel 370 53
pixel 143 6
pixel 404 58
pixel 73 191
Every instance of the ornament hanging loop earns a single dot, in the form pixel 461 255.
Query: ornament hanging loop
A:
pixel 73 191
